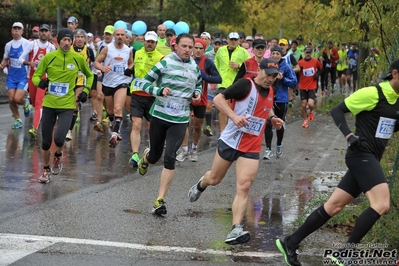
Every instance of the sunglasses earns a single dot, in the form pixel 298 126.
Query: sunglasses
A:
pixel 260 47
pixel 234 39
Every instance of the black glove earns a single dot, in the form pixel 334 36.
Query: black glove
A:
pixel 43 84
pixel 82 97
pixel 316 77
pixel 128 72
pixel 354 142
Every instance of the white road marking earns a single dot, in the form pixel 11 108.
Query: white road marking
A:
pixel 14 247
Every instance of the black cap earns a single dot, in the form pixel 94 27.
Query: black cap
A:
pixel 299 38
pixel 330 42
pixel 170 32
pixel 258 42
pixel 276 48
pixel 218 40
pixel 308 50
pixel 45 27
pixel 64 33
pixel 270 66
pixel 394 65
pixel 241 34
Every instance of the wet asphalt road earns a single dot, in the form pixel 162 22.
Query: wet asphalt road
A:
pixel 97 211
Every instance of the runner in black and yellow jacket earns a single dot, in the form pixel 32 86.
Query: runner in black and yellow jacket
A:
pixel 62 67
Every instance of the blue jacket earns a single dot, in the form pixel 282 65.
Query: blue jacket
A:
pixel 289 81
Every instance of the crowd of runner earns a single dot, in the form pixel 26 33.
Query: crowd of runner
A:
pixel 164 81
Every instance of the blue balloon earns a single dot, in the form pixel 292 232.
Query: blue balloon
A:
pixel 169 24
pixel 139 27
pixel 120 24
pixel 181 27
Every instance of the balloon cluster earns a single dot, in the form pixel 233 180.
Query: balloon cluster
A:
pixel 140 27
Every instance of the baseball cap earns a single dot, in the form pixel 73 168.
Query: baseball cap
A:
pixel 283 41
pixel 233 35
pixel 299 38
pixel 276 49
pixel 241 34
pixel 258 42
pixel 35 28
pixel 394 65
pixel 308 50
pixel 218 40
pixel 109 29
pixel 128 33
pixel 249 38
pixel 206 34
pixel 18 24
pixel 151 36
pixel 45 27
pixel 170 32
pixel 89 34
pixel 72 19
pixel 330 42
pixel 270 66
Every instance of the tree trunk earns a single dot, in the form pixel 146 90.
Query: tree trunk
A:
pixel 363 53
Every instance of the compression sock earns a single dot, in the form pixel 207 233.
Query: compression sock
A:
pixel 314 221
pixel 363 224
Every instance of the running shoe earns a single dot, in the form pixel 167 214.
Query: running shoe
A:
pixel 279 151
pixel 57 165
pixel 98 127
pixel 105 119
pixel 208 131
pixel 32 133
pixel 17 124
pixel 268 154
pixel 45 177
pixel 26 108
pixel 311 116
pixel 182 155
pixel 69 135
pixel 194 155
pixel 194 193
pixel 237 236
pixel 134 159
pixel 143 166
pixel 305 124
pixel 159 207
pixel 290 255
pixel 113 141
pixel 93 116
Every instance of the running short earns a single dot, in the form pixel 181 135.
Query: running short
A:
pixel 307 94
pixel 199 111
pixel 230 154
pixel 364 173
pixel 19 84
pixel 341 72
pixel 140 106
pixel 108 91
pixel 350 71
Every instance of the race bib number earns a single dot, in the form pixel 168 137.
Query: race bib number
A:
pixel 328 65
pixel 15 63
pixel 212 86
pixel 385 128
pixel 309 72
pixel 174 105
pixel 255 126
pixel 353 62
pixel 136 85
pixel 119 68
pixel 58 88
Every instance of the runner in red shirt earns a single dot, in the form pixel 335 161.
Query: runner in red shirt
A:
pixel 310 70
